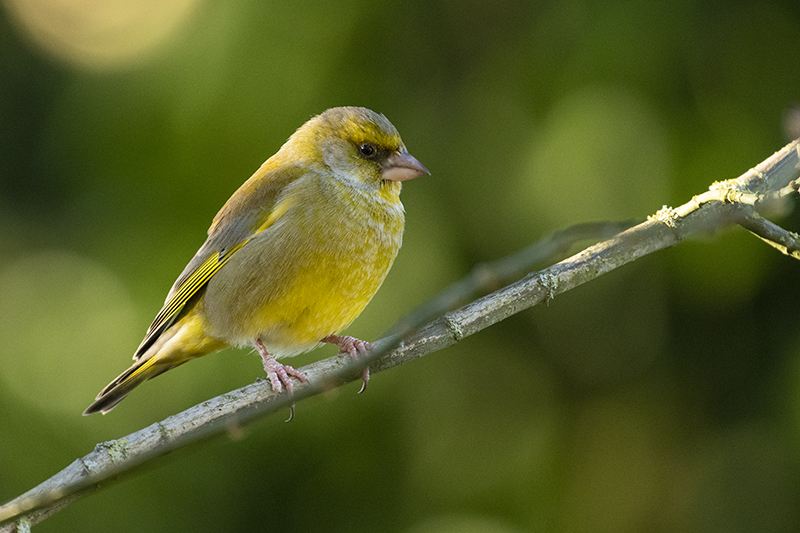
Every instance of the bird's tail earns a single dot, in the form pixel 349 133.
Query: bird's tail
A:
pixel 183 341
pixel 114 392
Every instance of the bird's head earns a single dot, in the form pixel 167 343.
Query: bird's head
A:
pixel 359 146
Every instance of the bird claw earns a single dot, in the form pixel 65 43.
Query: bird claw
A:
pixel 355 348
pixel 279 375
pixel 364 379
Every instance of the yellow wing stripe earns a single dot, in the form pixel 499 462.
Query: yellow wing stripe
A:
pixel 191 285
pixel 188 289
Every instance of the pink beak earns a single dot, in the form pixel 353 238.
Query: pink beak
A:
pixel 402 166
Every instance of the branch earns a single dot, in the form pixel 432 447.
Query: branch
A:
pixel 486 277
pixel 730 202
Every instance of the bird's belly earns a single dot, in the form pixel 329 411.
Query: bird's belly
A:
pixel 292 296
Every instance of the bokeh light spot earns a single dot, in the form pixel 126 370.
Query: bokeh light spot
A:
pixel 601 155
pixel 64 319
pixel 98 34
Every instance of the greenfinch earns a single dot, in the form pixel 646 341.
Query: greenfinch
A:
pixel 292 258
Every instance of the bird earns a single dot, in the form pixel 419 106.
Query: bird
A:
pixel 292 258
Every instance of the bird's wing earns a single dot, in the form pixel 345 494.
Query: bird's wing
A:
pixel 253 208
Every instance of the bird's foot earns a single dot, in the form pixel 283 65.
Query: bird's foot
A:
pixel 355 348
pixel 280 375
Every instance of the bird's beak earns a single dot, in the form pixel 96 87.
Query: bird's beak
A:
pixel 402 166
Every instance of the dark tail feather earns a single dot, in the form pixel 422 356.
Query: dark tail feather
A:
pixel 116 391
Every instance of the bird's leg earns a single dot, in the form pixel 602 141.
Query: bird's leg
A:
pixel 279 374
pixel 354 348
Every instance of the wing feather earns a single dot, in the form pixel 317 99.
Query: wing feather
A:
pixel 252 209
pixel 176 302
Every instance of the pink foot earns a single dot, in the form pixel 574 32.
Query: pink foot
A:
pixel 354 348
pixel 279 374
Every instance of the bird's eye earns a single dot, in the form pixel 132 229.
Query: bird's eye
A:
pixel 367 150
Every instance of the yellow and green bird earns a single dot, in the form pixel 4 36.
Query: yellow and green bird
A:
pixel 292 258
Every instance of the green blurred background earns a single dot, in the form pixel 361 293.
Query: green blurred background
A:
pixel 662 397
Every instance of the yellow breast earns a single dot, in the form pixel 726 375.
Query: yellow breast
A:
pixel 312 272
